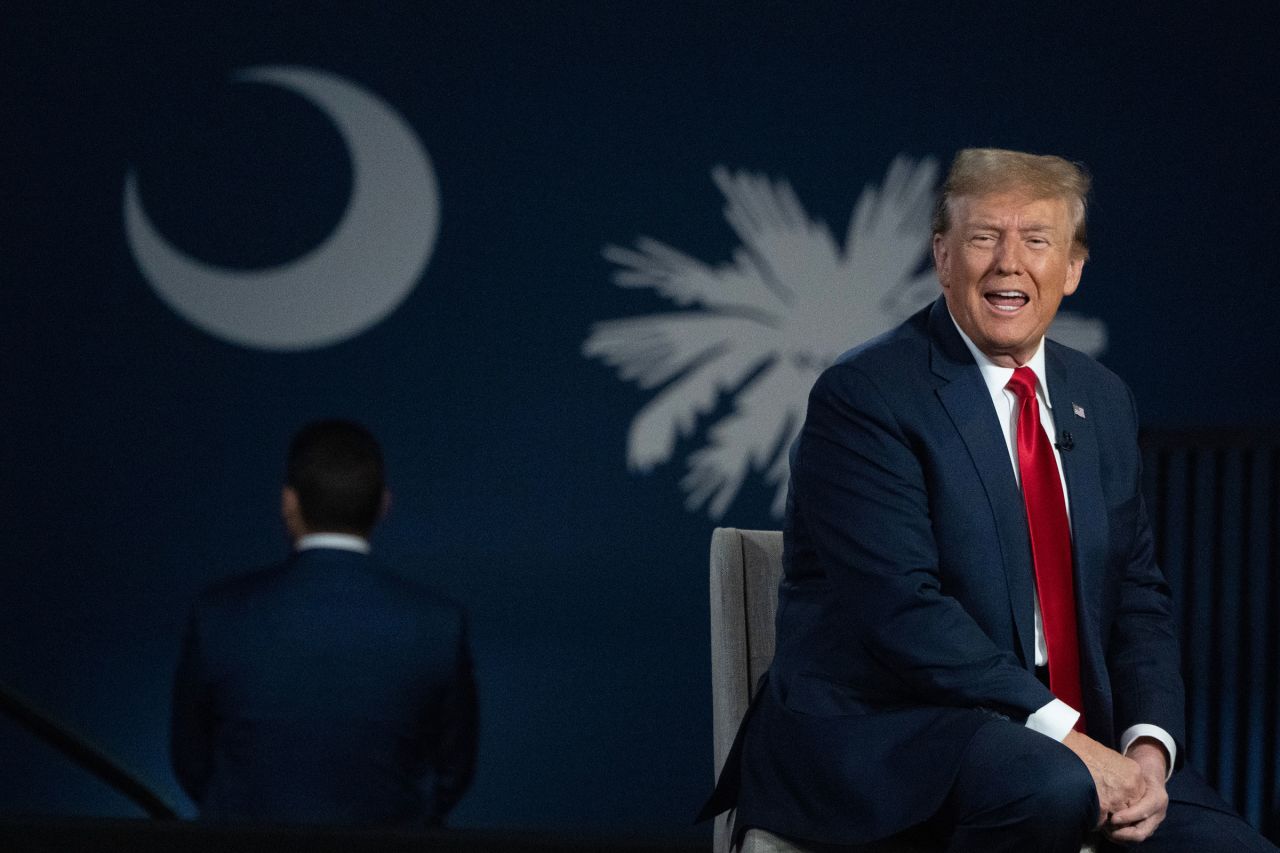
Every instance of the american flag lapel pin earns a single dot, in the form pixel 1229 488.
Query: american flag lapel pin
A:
pixel 1078 409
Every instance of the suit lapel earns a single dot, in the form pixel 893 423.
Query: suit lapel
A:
pixel 968 403
pixel 1082 467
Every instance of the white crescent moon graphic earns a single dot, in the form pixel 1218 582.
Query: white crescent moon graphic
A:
pixel 355 278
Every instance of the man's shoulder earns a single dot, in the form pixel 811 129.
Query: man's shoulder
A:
pixel 356 580
pixel 427 599
pixel 243 585
pixel 1084 369
pixel 909 336
pixel 890 360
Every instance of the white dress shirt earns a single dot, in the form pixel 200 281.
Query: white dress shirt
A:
pixel 1056 718
pixel 338 541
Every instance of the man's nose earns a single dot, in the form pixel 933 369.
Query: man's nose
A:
pixel 1008 256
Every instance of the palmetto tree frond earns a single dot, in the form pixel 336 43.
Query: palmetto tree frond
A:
pixel 888 239
pixel 686 281
pixel 782 247
pixel 702 354
pixel 654 349
pixel 749 439
pixel 911 295
pixel 888 232
pixel 786 305
pixel 674 412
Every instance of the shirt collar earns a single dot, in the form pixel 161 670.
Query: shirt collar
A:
pixel 997 377
pixel 336 541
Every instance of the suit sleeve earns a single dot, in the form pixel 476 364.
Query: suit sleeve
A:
pixel 861 491
pixel 1143 652
pixel 457 722
pixel 192 721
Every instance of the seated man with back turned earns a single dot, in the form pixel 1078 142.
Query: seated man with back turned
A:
pixel 974 641
pixel 325 689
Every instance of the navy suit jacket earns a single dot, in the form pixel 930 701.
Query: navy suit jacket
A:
pixel 324 690
pixel 905 614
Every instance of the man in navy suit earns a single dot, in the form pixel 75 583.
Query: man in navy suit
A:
pixel 923 681
pixel 325 689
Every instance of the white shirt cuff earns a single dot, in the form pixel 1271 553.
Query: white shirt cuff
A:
pixel 1147 730
pixel 1056 720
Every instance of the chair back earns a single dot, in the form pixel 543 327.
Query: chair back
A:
pixel 745 567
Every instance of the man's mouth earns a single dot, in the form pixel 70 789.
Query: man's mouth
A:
pixel 1007 300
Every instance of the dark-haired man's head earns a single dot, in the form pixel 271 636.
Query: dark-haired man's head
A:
pixel 334 480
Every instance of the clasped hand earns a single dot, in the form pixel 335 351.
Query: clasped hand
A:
pixel 1131 796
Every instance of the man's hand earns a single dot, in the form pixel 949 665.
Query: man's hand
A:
pixel 1136 822
pixel 1120 781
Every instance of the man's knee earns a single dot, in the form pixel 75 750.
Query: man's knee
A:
pixel 1066 795
pixel 1014 776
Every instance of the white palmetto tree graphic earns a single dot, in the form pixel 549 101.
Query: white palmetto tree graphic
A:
pixel 763 326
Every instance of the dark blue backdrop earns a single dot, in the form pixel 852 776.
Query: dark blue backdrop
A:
pixel 142 456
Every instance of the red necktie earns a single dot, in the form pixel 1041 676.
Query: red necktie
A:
pixel 1050 544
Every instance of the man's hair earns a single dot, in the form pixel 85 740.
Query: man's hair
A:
pixel 979 171
pixel 335 467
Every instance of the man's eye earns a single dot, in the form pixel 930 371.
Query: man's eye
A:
pixel 1037 242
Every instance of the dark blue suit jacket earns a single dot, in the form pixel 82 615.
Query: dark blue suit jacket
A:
pixel 905 615
pixel 324 690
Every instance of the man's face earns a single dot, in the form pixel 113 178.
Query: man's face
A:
pixel 1004 265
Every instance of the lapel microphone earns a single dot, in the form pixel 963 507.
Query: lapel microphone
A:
pixel 1065 442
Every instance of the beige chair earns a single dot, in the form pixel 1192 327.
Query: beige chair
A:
pixel 745 567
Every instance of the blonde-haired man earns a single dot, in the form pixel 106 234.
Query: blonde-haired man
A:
pixel 975 644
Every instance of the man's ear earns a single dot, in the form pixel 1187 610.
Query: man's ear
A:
pixel 940 260
pixel 1075 268
pixel 291 512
